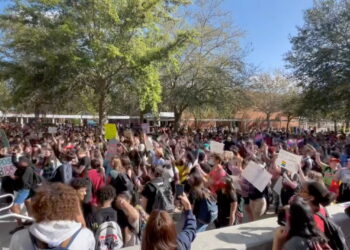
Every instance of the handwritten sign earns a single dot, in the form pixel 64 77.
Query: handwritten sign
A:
pixel 52 130
pixel 216 147
pixel 112 149
pixel 288 161
pixel 256 175
pixel 6 167
pixel 111 131
pixel 4 142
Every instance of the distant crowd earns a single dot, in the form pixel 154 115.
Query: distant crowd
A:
pixel 84 191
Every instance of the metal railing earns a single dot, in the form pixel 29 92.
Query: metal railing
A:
pixel 10 214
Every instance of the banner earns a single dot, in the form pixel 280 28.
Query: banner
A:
pixel 256 175
pixel 216 147
pixel 111 131
pixel 4 142
pixel 288 161
pixel 6 167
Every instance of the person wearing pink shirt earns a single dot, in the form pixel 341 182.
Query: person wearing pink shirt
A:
pixel 217 174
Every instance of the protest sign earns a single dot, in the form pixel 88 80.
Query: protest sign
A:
pixel 4 142
pixel 52 130
pixel 148 143
pixel 278 186
pixel 110 131
pixel 145 128
pixel 111 149
pixel 216 147
pixel 256 175
pixel 288 161
pixel 6 167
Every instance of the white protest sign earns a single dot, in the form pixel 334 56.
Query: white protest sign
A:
pixel 216 147
pixel 145 128
pixel 256 175
pixel 6 167
pixel 52 130
pixel 278 186
pixel 148 143
pixel 288 161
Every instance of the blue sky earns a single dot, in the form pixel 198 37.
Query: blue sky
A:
pixel 267 25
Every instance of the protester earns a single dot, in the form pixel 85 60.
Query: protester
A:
pixel 160 232
pixel 57 213
pixel 301 232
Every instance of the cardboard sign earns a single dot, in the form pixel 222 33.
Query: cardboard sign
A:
pixel 145 128
pixel 288 161
pixel 4 142
pixel 52 130
pixel 256 175
pixel 216 147
pixel 111 131
pixel 6 167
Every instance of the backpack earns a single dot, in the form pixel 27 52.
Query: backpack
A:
pixel 35 242
pixel 163 199
pixel 122 183
pixel 109 236
pixel 63 173
pixel 334 234
pixel 208 211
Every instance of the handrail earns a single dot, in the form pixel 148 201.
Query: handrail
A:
pixel 11 204
pixel 12 215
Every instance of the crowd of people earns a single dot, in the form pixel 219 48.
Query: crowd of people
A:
pixel 86 192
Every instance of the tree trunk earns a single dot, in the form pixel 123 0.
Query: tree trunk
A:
pixel 142 113
pixel 177 118
pixel 102 115
pixel 335 126
pixel 268 119
pixel 289 119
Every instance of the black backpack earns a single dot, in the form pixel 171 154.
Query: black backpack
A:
pixel 334 234
pixel 163 199
pixel 122 183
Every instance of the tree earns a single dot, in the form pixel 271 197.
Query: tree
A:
pixel 209 72
pixel 267 93
pixel 50 48
pixel 320 56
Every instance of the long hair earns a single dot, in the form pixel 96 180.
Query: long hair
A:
pixel 320 193
pixel 160 232
pixel 197 184
pixel 302 224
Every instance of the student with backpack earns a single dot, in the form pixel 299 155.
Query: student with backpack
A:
pixel 104 223
pixel 157 193
pixel 301 231
pixel 56 211
pixel 319 197
pixel 64 173
pixel 204 204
